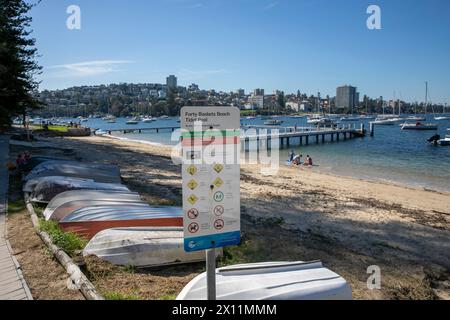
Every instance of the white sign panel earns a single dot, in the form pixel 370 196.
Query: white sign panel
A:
pixel 211 177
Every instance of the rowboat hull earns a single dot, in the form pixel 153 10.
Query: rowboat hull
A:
pixel 272 281
pixel 143 247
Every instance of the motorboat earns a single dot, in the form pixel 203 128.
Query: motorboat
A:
pixel 390 121
pixel 445 141
pixel 143 247
pixel 419 126
pixel 44 189
pixel 88 195
pixel 148 119
pixel 352 118
pixel 164 117
pixel 89 221
pixel 441 118
pixel 272 281
pixel 273 122
pixel 134 120
pixel 415 118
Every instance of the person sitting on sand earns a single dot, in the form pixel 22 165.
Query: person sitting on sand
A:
pixel 308 161
pixel 297 160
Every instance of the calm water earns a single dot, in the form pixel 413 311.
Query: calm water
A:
pixel 391 155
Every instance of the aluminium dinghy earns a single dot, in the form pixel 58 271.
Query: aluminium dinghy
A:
pixel 97 172
pixel 143 247
pixel 89 195
pixel 67 208
pixel 89 221
pixel 272 281
pixel 46 188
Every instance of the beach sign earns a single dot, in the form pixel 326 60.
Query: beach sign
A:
pixel 211 177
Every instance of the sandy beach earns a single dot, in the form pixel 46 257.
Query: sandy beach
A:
pixel 302 214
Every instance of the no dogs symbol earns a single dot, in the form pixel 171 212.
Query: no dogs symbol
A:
pixel 193 227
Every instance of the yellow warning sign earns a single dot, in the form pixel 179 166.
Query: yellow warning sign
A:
pixel 192 184
pixel 218 182
pixel 192 199
pixel 218 167
pixel 192 170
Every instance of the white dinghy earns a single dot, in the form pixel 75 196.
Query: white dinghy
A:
pixel 86 195
pixel 272 281
pixel 142 247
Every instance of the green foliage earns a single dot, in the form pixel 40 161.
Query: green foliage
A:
pixel 67 241
pixel 17 64
pixel 119 296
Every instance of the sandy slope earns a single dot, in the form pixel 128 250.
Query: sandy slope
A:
pixel 348 223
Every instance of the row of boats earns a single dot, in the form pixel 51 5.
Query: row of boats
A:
pixel 89 199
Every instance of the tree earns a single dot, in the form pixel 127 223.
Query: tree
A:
pixel 17 61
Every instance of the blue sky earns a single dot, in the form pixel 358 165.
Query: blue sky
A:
pixel 313 45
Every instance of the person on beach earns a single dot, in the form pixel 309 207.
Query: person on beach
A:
pixel 308 161
pixel 297 160
pixel 291 155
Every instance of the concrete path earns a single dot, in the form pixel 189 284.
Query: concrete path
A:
pixel 12 284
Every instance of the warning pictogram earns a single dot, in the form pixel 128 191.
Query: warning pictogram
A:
pixel 218 168
pixel 192 199
pixel 218 196
pixel 193 227
pixel 218 182
pixel 192 170
pixel 219 224
pixel 193 214
pixel 219 210
pixel 192 184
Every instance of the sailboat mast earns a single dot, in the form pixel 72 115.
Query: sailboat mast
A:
pixel 426 96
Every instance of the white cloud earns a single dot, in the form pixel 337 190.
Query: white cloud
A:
pixel 86 69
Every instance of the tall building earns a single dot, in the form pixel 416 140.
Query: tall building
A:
pixel 347 97
pixel 258 92
pixel 171 82
pixel 240 93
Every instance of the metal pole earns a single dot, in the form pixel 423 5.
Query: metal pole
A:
pixel 211 273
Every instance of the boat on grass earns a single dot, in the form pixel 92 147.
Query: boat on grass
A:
pixel 143 247
pixel 89 221
pixel 272 281
pixel 105 173
pixel 44 189
pixel 88 195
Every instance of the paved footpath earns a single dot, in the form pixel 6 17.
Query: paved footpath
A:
pixel 12 284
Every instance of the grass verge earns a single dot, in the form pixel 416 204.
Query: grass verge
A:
pixel 67 241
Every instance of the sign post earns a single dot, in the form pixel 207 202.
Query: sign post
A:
pixel 211 182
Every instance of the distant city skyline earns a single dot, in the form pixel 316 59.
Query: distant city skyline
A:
pixel 311 46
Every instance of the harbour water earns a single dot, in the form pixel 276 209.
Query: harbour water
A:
pixel 391 155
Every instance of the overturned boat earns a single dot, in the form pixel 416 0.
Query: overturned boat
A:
pixel 88 195
pixel 272 281
pixel 46 188
pixel 142 247
pixel 67 208
pixel 89 221
pixel 97 172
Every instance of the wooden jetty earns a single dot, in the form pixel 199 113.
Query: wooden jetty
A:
pixel 305 134
pixel 140 130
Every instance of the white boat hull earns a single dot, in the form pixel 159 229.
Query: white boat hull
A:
pixel 272 281
pixel 143 247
